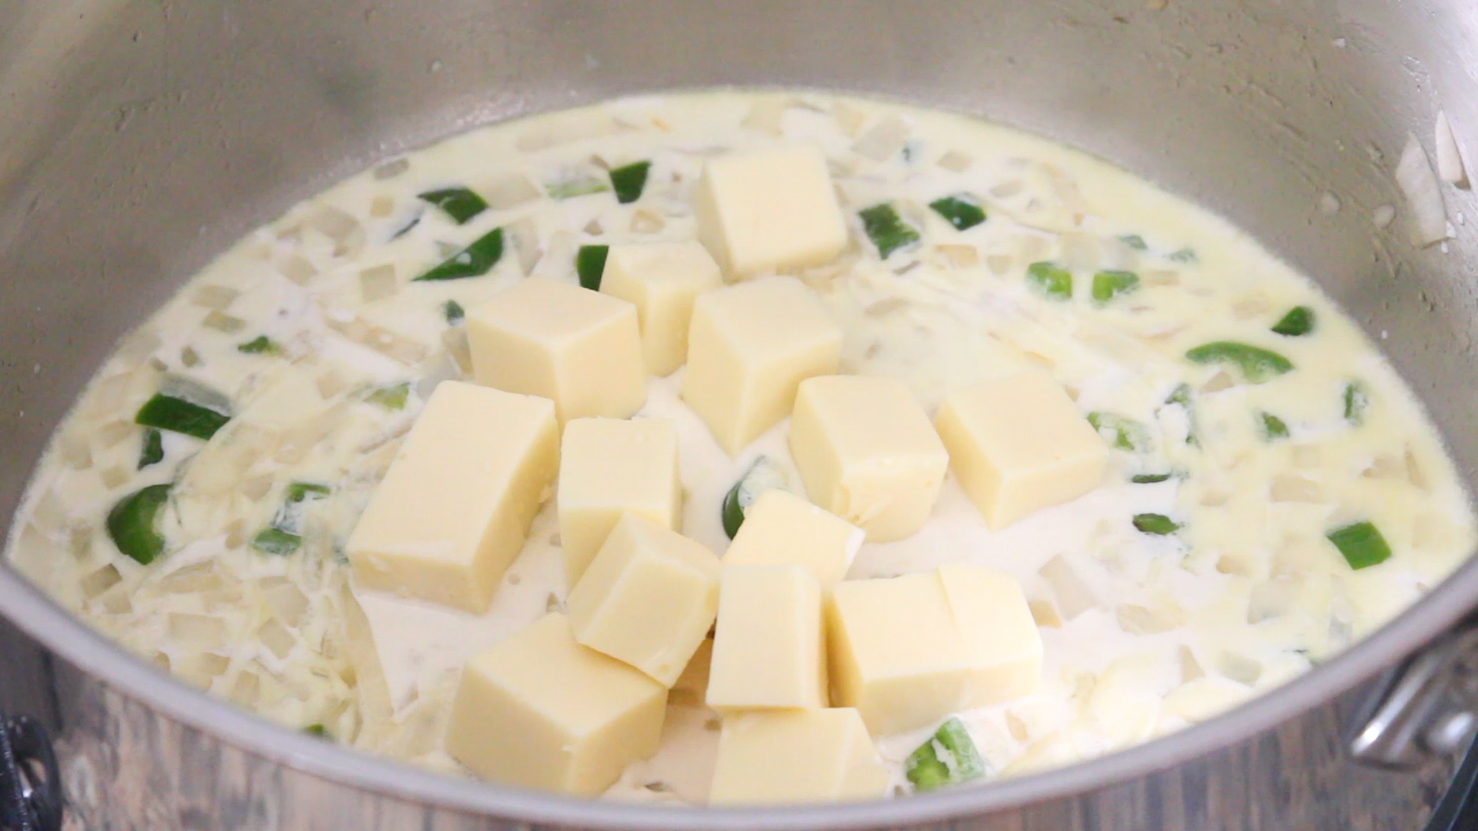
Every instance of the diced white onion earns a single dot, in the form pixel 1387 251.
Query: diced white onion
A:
pixel 883 141
pixel 334 223
pixel 1290 488
pixel 74 449
pixel 1139 620
pixel 216 298
pixel 275 637
pixel 1073 595
pixel 443 368
pixel 1449 154
pixel 1385 466
pixel 247 689
pixel 1190 668
pixel 1239 668
pixel 100 581
pixel 330 384
pixel 223 323
pixel 849 118
pixel 379 339
pixel 197 631
pixel 1306 455
pixel 297 269
pixel 1423 194
pixel 961 256
pixel 766 114
pixel 954 160
pixel 1045 614
pixel 1081 252
pixel 509 191
pixel 525 236
pixel 114 476
pixel 287 601
pixel 202 669
pixel 457 348
pixel 391 169
pixel 1271 599
pixel 647 222
pixel 377 283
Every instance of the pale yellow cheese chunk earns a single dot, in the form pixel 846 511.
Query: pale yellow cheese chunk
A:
pixel 769 648
pixel 1005 645
pixel 796 756
pixel 749 347
pixel 579 348
pixel 768 209
pixel 454 509
pixel 648 598
pixel 539 710
pixel 691 686
pixel 867 453
pixel 1019 444
pixel 609 466
pixel 781 528
pixel 662 280
pixel 908 651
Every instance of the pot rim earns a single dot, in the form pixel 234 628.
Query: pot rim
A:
pixel 82 646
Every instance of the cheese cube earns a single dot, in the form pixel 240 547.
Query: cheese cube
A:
pixel 781 528
pixel 607 467
pixel 768 650
pixel 648 598
pixel 1019 444
pixel 867 453
pixel 910 650
pixel 768 209
pixel 749 347
pixel 538 710
pixel 580 348
pixel 795 756
pixel 1005 646
pixel 454 509
pixel 662 280
pixel 692 686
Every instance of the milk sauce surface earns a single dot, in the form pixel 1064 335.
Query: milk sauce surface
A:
pixel 325 349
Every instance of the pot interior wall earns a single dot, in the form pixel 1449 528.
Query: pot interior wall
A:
pixel 138 138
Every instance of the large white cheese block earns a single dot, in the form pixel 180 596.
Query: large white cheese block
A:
pixel 749 347
pixel 908 651
pixel 867 453
pixel 768 209
pixel 648 598
pixel 609 466
pixel 662 279
pixel 1018 444
pixel 580 348
pixel 768 649
pixel 796 756
pixel 454 508
pixel 781 528
pixel 539 710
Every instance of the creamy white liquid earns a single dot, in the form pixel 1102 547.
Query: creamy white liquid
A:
pixel 1148 633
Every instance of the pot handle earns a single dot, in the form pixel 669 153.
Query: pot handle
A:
pixel 30 781
pixel 1423 709
pixel 1427 709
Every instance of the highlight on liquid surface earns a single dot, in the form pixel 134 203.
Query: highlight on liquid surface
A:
pixel 1268 490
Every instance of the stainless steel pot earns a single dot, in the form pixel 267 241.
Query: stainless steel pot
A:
pixel 140 137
